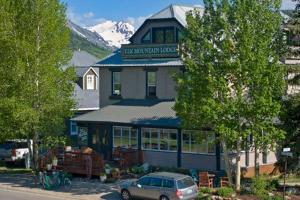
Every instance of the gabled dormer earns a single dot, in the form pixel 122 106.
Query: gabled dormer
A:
pixel 87 78
pixel 163 27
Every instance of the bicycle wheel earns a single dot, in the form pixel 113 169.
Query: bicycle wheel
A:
pixel 67 184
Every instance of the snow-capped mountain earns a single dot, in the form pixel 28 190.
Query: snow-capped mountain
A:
pixel 114 33
pixel 90 36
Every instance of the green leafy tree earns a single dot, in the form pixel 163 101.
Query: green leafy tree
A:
pixel 291 116
pixel 232 82
pixel 36 93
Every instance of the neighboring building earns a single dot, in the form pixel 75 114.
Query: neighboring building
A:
pixel 137 96
pixel 86 89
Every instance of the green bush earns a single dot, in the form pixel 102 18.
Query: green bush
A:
pixel 205 190
pixel 202 196
pixel 272 184
pixel 259 187
pixel 225 191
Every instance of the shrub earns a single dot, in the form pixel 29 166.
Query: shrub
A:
pixel 205 190
pixel 202 196
pixel 259 187
pixel 225 191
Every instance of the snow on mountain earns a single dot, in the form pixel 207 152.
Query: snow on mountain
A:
pixel 115 33
pixel 92 37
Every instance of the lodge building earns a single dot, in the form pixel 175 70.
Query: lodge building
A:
pixel 137 95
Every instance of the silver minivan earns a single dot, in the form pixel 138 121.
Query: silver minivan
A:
pixel 160 186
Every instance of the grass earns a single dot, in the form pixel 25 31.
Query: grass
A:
pixel 13 170
pixel 6 170
pixel 80 43
pixel 291 179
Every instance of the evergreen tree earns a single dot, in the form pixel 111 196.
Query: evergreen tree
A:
pixel 36 93
pixel 232 81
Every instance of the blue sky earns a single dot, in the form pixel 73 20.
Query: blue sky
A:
pixel 91 12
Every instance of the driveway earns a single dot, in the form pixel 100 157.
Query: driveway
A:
pixel 81 189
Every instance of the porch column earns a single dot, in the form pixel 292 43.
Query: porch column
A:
pixel 139 130
pixel 179 150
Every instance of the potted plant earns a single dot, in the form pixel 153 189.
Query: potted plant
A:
pixel 103 177
pixel 107 168
pixel 115 172
pixel 49 167
pixel 54 161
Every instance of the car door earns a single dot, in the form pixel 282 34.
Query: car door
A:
pixel 154 189
pixel 139 189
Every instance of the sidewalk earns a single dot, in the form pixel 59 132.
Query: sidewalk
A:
pixel 81 189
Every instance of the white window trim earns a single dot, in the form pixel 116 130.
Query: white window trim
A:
pixel 158 132
pixel 121 137
pixel 190 144
pixel 90 86
pixel 113 83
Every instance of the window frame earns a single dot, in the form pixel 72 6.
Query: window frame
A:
pixel 151 85
pixel 164 30
pixel 90 85
pixel 129 145
pixel 72 132
pixel 113 83
pixel 196 143
pixel 143 41
pixel 158 140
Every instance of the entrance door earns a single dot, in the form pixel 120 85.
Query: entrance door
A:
pixel 101 140
pixel 105 141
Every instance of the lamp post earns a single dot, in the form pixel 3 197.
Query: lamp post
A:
pixel 286 153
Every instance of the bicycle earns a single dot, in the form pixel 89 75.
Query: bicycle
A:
pixel 55 180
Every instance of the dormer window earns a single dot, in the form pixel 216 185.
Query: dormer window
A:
pixel 163 35
pixel 146 38
pixel 90 80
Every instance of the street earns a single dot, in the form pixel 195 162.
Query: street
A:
pixel 19 195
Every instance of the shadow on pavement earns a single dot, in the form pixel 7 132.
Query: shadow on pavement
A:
pixel 80 187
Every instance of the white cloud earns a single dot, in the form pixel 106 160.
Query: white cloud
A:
pixel 136 22
pixel 84 20
pixel 288 5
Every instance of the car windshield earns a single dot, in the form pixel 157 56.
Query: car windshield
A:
pixel 185 183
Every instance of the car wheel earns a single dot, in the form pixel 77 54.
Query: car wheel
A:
pixel 125 195
pixel 163 198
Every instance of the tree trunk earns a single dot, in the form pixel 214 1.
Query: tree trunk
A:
pixel 29 143
pixel 238 166
pixel 256 161
pixel 227 163
pixel 35 152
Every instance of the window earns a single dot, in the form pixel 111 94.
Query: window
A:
pixel 90 79
pixel 124 137
pixel 179 36
pixel 116 83
pixel 169 35
pixel 156 182
pixel 144 181
pixel 185 183
pixel 168 183
pixel 151 84
pixel 73 127
pixel 146 38
pixel 198 142
pixel 265 156
pixel 159 139
pixel 163 35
